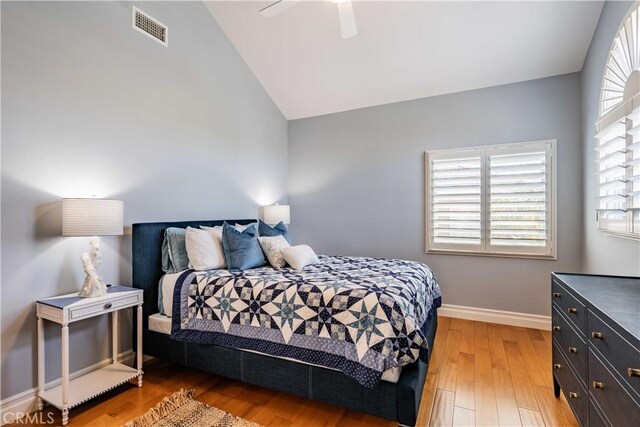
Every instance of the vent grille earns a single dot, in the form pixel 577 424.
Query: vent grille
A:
pixel 150 27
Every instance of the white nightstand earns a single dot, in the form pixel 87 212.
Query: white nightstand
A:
pixel 70 308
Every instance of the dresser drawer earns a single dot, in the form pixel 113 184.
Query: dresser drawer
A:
pixel 571 387
pixel 610 395
pixel 91 310
pixel 571 345
pixel 568 304
pixel 596 419
pixel 616 350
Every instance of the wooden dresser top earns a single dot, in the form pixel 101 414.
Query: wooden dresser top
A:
pixel 616 297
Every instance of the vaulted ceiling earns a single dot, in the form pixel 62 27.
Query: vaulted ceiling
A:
pixel 403 50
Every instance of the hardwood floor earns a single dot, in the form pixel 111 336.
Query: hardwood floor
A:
pixel 480 374
pixel 491 375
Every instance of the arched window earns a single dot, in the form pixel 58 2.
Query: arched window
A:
pixel 618 134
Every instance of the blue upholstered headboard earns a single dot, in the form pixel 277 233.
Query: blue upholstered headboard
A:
pixel 147 257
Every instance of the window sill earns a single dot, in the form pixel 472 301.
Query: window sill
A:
pixel 492 254
pixel 621 234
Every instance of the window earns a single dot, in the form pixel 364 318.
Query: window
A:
pixel 618 135
pixel 492 200
pixel 618 165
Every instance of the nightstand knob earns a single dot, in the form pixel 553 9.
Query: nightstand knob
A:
pixel 573 350
pixel 597 335
pixel 572 310
pixel 107 306
pixel 557 294
pixel 557 366
pixel 556 328
pixel 598 385
pixel 573 395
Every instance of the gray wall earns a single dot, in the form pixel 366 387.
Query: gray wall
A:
pixel 90 106
pixel 602 253
pixel 356 183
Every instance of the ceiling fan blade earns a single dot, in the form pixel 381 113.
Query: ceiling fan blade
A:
pixel 277 7
pixel 347 20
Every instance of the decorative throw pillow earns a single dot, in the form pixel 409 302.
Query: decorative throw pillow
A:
pixel 299 256
pixel 241 227
pixel 216 232
pixel 174 250
pixel 241 248
pixel 277 230
pixel 272 246
pixel 203 247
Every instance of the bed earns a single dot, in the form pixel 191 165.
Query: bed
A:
pixel 379 387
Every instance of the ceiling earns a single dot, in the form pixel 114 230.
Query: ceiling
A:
pixel 403 50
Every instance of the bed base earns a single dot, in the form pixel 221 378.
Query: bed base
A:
pixel 399 401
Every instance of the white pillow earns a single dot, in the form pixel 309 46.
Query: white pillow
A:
pixel 216 232
pixel 299 256
pixel 241 227
pixel 272 247
pixel 204 248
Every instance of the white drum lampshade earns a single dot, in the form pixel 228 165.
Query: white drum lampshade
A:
pixel 275 213
pixel 92 217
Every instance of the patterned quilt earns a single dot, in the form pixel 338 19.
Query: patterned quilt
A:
pixel 358 315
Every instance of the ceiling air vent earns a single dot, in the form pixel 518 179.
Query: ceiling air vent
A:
pixel 150 27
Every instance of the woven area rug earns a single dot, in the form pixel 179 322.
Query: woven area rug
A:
pixel 180 410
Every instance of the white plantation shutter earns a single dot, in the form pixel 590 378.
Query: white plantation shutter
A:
pixel 520 198
pixel 633 170
pixel 618 168
pixel 456 200
pixel 493 200
pixel 618 134
pixel 611 177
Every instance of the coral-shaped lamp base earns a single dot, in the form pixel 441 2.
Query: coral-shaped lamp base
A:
pixel 93 285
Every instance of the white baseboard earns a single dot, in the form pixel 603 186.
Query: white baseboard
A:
pixel 511 318
pixel 16 406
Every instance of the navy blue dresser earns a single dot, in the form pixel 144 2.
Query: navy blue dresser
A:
pixel 596 347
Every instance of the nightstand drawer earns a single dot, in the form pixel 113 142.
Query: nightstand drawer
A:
pixel 570 306
pixel 89 310
pixel 614 400
pixel 570 343
pixel 616 350
pixel 571 387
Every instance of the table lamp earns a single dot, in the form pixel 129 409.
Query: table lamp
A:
pixel 92 218
pixel 276 213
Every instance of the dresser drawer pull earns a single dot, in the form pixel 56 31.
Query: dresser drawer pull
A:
pixel 573 350
pixel 107 306
pixel 556 328
pixel 633 372
pixel 573 395
pixel 557 366
pixel 597 335
pixel 598 385
pixel 572 310
pixel 557 294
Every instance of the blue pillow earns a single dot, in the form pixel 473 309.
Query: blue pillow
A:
pixel 241 249
pixel 277 230
pixel 174 250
